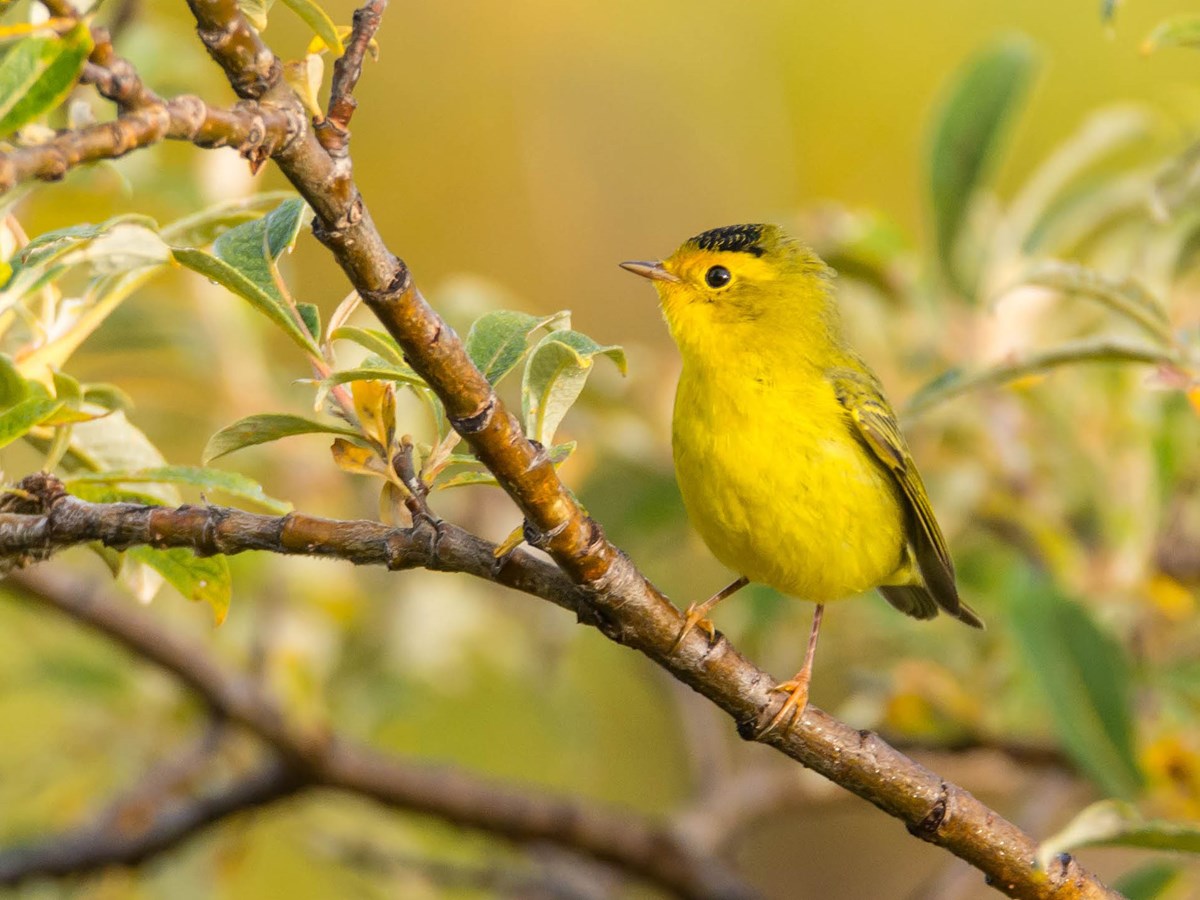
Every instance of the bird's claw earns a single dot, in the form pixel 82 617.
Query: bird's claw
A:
pixel 694 618
pixel 792 710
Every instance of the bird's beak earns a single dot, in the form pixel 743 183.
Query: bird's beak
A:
pixel 652 270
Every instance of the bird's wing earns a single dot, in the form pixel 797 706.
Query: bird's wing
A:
pixel 875 424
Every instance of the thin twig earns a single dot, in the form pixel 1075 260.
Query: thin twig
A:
pixel 334 130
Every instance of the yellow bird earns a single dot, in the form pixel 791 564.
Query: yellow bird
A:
pixel 789 457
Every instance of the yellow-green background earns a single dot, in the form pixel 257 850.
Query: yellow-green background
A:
pixel 534 145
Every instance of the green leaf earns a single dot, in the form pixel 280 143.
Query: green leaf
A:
pixel 264 428
pixel 54 245
pixel 465 479
pixel 966 140
pixel 319 21
pixel 19 420
pixel 37 75
pixel 102 492
pixel 1086 679
pixel 1149 882
pixel 557 370
pixel 204 227
pixel 378 372
pixel 231 483
pixel 310 313
pixel 115 444
pixel 1126 296
pixel 249 247
pixel 497 340
pixel 13 386
pixel 1055 188
pixel 269 304
pixel 203 579
pixel 1182 31
pixel 108 396
pixel 242 259
pixel 1115 823
pixel 378 342
pixel 955 382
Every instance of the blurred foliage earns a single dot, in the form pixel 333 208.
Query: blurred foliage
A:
pixel 1046 332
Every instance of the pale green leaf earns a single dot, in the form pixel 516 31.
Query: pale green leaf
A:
pixel 378 342
pixel 465 479
pixel 231 483
pixel 13 386
pixel 1182 31
pixel 264 428
pixel 54 245
pixel 204 227
pixel 103 492
pixel 1152 881
pixel 1055 186
pixel 123 246
pixel 108 396
pixel 1085 678
pixel 497 340
pixel 955 382
pixel 1116 823
pixel 19 420
pixel 1124 296
pixel 113 443
pixel 256 11
pixel 318 20
pixel 202 579
pixel 310 314
pixel 39 73
pixel 966 141
pixel 269 303
pixel 557 369
pixel 378 372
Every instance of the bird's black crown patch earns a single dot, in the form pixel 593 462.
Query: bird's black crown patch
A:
pixel 734 238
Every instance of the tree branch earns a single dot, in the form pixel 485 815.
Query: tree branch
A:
pixel 96 847
pixel 613 596
pixel 255 133
pixel 308 759
pixel 624 606
pixel 334 130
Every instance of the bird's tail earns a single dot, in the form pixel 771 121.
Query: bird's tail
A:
pixel 916 601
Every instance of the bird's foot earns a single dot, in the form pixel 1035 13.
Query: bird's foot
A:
pixel 694 618
pixel 793 708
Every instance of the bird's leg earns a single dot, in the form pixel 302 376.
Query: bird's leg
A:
pixel 793 708
pixel 697 611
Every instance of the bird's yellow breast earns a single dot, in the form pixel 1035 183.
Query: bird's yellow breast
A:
pixel 778 486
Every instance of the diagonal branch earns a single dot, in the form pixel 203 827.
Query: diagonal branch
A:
pixel 613 596
pixel 621 603
pixel 319 759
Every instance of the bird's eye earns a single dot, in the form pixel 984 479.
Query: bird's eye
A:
pixel 717 277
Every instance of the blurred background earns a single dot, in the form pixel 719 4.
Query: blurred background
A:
pixel 512 154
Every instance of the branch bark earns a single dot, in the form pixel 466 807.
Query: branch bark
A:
pixel 608 591
pixel 254 133
pixel 307 759
pixel 623 604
